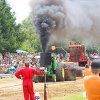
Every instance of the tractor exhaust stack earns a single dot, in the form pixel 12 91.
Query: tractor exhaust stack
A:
pixel 45 60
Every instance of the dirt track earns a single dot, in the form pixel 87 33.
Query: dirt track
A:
pixel 11 89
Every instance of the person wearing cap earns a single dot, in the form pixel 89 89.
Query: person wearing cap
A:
pixel 92 82
pixel 27 74
pixel 87 71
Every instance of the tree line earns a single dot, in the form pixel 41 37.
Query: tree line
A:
pixel 23 36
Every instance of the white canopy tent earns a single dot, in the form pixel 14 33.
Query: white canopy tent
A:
pixel 21 51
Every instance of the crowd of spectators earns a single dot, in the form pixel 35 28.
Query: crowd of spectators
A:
pixel 10 62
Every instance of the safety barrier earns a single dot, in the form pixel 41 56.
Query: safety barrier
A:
pixel 6 76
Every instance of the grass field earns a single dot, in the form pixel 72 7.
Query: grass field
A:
pixel 77 96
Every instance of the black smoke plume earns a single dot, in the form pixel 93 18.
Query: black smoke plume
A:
pixel 43 25
pixel 78 19
pixel 47 17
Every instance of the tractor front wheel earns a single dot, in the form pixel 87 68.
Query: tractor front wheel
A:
pixel 70 74
pixel 54 79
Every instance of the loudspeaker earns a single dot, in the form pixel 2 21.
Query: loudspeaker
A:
pixel 45 59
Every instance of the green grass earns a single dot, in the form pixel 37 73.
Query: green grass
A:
pixel 76 96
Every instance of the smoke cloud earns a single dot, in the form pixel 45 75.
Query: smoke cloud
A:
pixel 71 18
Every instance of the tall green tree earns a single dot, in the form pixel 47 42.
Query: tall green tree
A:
pixel 32 42
pixel 10 36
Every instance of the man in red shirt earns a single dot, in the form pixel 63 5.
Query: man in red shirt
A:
pixel 92 82
pixel 27 74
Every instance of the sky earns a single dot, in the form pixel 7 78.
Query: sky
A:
pixel 21 9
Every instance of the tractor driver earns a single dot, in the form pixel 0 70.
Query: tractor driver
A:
pixel 92 82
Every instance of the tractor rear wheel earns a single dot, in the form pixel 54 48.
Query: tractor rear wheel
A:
pixel 79 72
pixel 70 74
pixel 60 72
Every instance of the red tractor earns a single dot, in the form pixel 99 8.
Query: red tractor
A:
pixel 77 54
pixel 75 63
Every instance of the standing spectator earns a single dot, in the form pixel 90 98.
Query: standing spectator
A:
pixel 87 71
pixel 92 82
pixel 27 74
